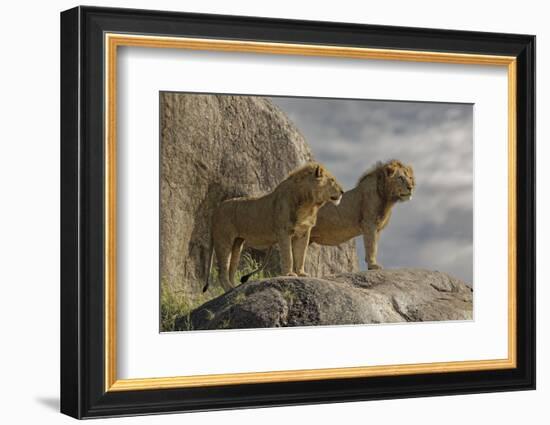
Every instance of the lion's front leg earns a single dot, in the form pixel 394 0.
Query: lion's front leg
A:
pixel 299 250
pixel 223 255
pixel 370 241
pixel 285 250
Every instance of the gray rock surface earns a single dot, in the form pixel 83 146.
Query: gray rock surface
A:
pixel 214 148
pixel 376 296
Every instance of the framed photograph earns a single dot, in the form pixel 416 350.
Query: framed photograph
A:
pixel 261 212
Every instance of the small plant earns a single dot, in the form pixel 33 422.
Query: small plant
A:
pixel 209 314
pixel 288 295
pixel 249 264
pixel 241 297
pixel 225 324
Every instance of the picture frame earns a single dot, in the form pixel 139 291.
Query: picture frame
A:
pixel 90 39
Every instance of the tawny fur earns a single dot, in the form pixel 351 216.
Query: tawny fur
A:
pixel 366 209
pixel 284 216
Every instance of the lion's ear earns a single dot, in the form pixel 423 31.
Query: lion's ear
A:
pixel 390 170
pixel 318 171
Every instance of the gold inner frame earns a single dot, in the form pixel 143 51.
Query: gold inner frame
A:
pixel 113 41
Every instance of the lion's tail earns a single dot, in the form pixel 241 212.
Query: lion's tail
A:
pixel 209 267
pixel 259 269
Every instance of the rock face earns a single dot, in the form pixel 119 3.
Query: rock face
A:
pixel 214 148
pixel 378 296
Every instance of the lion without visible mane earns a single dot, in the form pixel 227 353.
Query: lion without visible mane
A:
pixel 284 216
pixel 366 209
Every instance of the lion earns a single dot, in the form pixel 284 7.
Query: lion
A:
pixel 366 209
pixel 284 216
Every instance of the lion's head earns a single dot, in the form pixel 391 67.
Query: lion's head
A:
pixel 399 183
pixel 318 183
pixel 327 188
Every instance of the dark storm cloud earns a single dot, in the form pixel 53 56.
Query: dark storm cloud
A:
pixel 435 229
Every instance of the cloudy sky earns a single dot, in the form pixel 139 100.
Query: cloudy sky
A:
pixel 435 229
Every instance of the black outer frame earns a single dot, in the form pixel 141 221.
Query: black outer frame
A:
pixel 82 217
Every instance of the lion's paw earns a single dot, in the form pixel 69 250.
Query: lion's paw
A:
pixel 375 266
pixel 291 274
pixel 303 274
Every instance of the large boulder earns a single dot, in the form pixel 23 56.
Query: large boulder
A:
pixel 214 148
pixel 377 296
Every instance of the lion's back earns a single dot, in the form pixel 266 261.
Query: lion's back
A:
pixel 245 217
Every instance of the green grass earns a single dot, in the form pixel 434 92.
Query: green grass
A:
pixel 177 304
pixel 246 265
pixel 249 264
pixel 173 305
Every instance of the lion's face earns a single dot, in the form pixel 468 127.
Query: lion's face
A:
pixel 326 188
pixel 400 181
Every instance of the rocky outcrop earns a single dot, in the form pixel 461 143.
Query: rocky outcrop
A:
pixel 214 148
pixel 377 296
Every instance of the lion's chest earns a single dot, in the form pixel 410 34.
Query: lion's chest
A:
pixel 383 219
pixel 305 219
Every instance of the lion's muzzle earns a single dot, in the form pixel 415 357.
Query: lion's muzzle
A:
pixel 336 200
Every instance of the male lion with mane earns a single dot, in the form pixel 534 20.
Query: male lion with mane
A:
pixel 284 216
pixel 366 209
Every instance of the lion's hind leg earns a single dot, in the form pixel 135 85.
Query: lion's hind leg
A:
pixel 235 257
pixel 223 254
